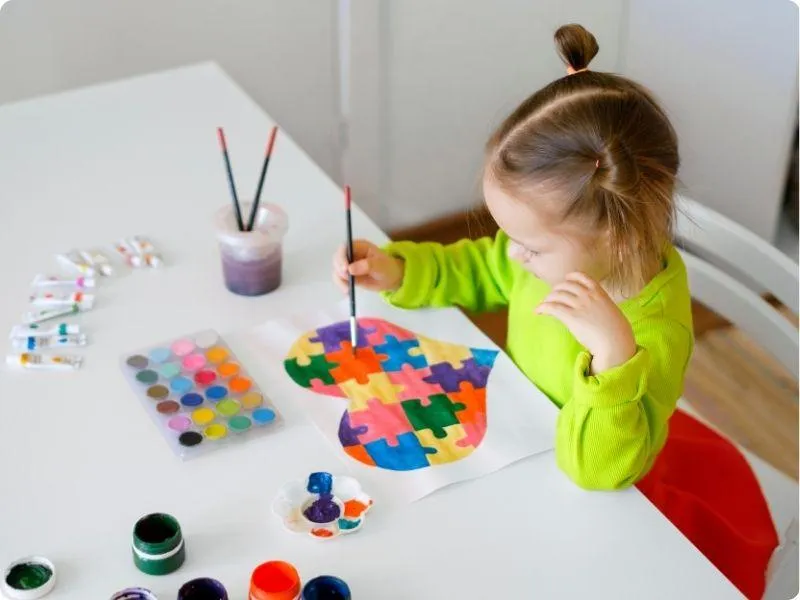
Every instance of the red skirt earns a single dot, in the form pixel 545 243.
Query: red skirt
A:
pixel 706 488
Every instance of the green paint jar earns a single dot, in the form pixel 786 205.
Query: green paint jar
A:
pixel 158 547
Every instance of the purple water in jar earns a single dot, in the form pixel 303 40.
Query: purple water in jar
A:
pixel 252 260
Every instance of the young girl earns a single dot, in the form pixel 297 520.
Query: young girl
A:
pixel 580 178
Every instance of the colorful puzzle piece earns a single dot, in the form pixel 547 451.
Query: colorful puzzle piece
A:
pixel 440 413
pixel 303 349
pixel 474 401
pixel 450 379
pixel 474 433
pixel 348 434
pixel 380 329
pixel 332 336
pixel 317 368
pixel 485 358
pixel 414 385
pixel 407 455
pixel 327 390
pixel 382 421
pixel 356 366
pixel 378 386
pixel 447 446
pixel 402 414
pixel 441 352
pixel 396 353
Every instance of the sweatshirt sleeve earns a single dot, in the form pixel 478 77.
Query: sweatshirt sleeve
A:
pixel 476 275
pixel 608 433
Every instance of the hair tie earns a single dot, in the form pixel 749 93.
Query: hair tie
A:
pixel 597 164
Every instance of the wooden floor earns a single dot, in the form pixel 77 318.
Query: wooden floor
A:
pixel 731 382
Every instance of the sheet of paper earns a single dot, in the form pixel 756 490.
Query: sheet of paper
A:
pixel 426 401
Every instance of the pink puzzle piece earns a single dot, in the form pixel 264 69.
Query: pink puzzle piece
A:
pixel 414 385
pixel 327 390
pixel 382 329
pixel 474 433
pixel 383 421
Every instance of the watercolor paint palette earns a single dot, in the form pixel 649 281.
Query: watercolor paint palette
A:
pixel 199 394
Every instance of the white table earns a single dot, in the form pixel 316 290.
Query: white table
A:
pixel 81 461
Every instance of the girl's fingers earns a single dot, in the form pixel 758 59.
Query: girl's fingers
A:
pixel 562 297
pixel 570 287
pixel 360 268
pixel 584 280
pixel 554 309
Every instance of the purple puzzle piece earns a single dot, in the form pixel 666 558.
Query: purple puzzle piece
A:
pixel 450 379
pixel 348 434
pixel 332 336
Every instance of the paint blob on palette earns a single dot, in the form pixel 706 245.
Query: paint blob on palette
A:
pixel 199 393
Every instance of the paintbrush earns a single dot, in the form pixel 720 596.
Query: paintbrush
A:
pixel 352 281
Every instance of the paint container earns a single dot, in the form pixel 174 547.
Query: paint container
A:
pixel 252 261
pixel 127 254
pixel 326 587
pixel 28 578
pixel 35 330
pixel 29 360
pixel 51 300
pixel 158 547
pixel 134 594
pixel 72 260
pixel 203 588
pixel 52 281
pixel 39 316
pixel 147 251
pixel 98 261
pixel 48 342
pixel 274 580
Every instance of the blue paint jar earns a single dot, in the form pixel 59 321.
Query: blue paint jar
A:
pixel 326 587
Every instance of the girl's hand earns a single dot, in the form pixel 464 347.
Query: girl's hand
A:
pixel 372 268
pixel 590 314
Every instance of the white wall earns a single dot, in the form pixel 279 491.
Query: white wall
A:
pixel 726 70
pixel 281 52
pixel 452 71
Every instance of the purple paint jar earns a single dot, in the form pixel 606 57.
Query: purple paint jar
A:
pixel 252 261
pixel 203 588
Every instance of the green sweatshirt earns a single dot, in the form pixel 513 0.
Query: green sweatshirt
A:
pixel 611 425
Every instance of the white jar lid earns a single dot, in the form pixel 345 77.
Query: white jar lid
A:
pixel 13 593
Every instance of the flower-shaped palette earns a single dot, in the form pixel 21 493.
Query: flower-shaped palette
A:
pixel 322 506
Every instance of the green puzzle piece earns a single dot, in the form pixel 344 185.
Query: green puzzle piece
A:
pixel 440 413
pixel 318 368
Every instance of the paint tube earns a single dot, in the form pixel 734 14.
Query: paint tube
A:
pixel 147 251
pixel 48 281
pixel 38 316
pixel 41 343
pixel 98 261
pixel 35 330
pixel 73 261
pixel 128 255
pixel 49 300
pixel 29 360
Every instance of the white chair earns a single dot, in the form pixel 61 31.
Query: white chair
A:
pixel 714 248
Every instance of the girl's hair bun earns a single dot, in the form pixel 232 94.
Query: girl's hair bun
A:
pixel 575 45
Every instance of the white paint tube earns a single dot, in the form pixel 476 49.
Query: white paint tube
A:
pixel 29 360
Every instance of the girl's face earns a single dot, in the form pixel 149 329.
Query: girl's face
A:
pixel 541 242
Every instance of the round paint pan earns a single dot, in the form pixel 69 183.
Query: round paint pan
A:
pixel 28 578
pixel 158 547
pixel 203 588
pixel 134 594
